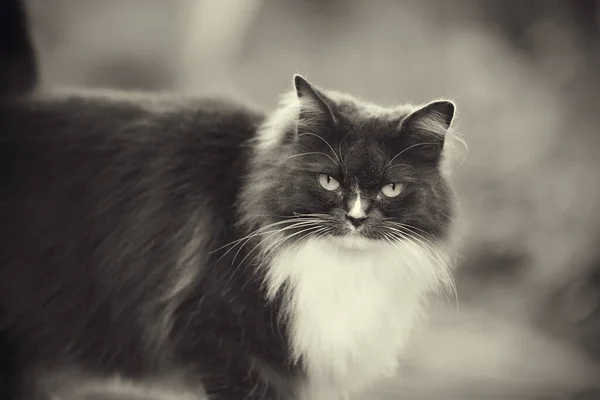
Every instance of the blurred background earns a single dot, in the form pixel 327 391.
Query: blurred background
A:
pixel 526 77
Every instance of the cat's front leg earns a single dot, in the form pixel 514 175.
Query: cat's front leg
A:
pixel 233 375
pixel 234 386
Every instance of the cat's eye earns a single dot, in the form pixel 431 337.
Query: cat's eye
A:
pixel 328 182
pixel 392 189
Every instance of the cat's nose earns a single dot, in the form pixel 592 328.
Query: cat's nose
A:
pixel 356 221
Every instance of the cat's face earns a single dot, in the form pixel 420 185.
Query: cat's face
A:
pixel 359 175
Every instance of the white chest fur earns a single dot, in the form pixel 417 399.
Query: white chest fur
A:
pixel 351 310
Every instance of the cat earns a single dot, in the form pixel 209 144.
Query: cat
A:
pixel 273 256
pixel 263 255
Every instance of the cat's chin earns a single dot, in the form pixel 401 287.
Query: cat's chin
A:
pixel 355 241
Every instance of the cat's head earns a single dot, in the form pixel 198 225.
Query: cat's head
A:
pixel 327 165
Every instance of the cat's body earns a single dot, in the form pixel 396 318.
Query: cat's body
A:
pixel 116 213
pixel 110 208
pixel 186 245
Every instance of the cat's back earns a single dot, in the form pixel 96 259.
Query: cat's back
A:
pixel 91 141
pixel 105 201
pixel 94 122
pixel 77 164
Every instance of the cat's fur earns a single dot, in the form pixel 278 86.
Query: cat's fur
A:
pixel 115 212
pixel 146 234
pixel 73 385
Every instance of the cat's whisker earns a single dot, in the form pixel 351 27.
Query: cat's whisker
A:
pixel 264 259
pixel 399 165
pixel 448 217
pixel 295 215
pixel 314 153
pixel 414 228
pixel 448 278
pixel 420 253
pixel 256 232
pixel 325 234
pixel 441 281
pixel 320 228
pixel 294 224
pixel 392 240
pixel 297 222
pixel 271 248
pixel 438 256
pixel 420 233
pixel 323 216
pixel 405 150
pixel 407 229
pixel 455 136
pixel 341 153
pixel 297 225
pixel 432 252
pixel 388 240
pixel 339 163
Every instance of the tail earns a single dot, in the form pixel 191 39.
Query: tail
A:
pixel 18 66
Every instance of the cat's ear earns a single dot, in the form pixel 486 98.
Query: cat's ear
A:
pixel 314 111
pixel 425 129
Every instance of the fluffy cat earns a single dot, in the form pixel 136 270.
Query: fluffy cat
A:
pixel 273 257
pixel 282 255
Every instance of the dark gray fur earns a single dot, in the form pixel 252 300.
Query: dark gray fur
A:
pixel 99 199
pixel 114 211
pixel 107 203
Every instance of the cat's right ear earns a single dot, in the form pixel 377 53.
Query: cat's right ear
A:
pixel 314 111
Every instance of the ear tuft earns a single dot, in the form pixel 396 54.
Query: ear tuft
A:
pixel 313 106
pixel 426 128
pixel 302 86
pixel 306 91
pixel 442 111
pixel 436 117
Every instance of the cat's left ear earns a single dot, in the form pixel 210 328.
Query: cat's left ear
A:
pixel 426 128
pixel 313 105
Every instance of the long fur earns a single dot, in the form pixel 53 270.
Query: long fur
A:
pixel 350 309
pixel 151 233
